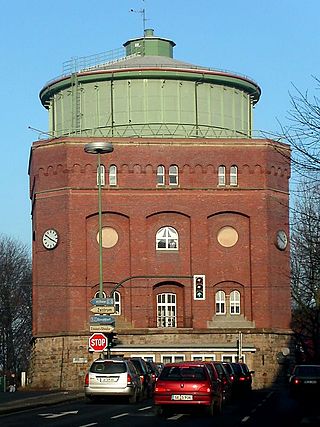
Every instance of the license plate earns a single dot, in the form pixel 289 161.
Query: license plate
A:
pixel 310 382
pixel 182 397
pixel 108 379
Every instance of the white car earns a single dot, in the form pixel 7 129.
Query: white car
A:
pixel 113 377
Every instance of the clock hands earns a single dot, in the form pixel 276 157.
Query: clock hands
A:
pixel 53 239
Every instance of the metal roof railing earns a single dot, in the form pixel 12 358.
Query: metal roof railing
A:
pixel 83 62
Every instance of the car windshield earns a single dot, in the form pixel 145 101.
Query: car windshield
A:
pixel 308 371
pixel 182 373
pixel 108 367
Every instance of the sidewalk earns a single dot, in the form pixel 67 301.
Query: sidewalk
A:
pixel 21 400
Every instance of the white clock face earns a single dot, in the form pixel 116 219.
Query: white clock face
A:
pixel 50 239
pixel 281 240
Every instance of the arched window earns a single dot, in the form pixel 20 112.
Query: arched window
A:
pixel 160 175
pixel 113 175
pixel 102 175
pixel 167 239
pixel 234 175
pixel 97 295
pixel 222 175
pixel 166 310
pixel 220 302
pixel 235 302
pixel 117 302
pixel 173 175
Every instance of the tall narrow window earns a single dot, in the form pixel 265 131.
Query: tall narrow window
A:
pixel 222 175
pixel 220 302
pixel 102 175
pixel 167 239
pixel 235 302
pixel 166 310
pixel 234 175
pixel 173 175
pixel 113 175
pixel 117 302
pixel 160 175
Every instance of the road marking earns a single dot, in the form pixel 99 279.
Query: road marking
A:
pixel 61 414
pixel 120 415
pixel 88 425
pixel 175 417
pixel 145 408
pixel 245 419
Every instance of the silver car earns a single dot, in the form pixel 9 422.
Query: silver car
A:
pixel 113 377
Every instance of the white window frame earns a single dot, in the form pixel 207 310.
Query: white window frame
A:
pixel 167 239
pixel 161 175
pixel 220 303
pixel 234 357
pixel 146 357
pixel 234 175
pixel 201 357
pixel 173 358
pixel 173 175
pixel 166 310
pixel 117 303
pixel 97 294
pixel 102 175
pixel 222 176
pixel 235 301
pixel 113 175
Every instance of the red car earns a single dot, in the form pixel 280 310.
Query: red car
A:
pixel 187 384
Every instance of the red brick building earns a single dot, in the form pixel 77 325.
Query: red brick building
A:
pixel 187 191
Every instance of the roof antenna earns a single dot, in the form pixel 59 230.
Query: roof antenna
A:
pixel 143 14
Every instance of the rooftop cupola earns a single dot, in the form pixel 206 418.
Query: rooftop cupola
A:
pixel 150 45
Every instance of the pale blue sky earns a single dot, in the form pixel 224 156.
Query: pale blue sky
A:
pixel 274 42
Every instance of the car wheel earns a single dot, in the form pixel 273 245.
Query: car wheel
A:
pixel 210 410
pixel 133 399
pixel 161 411
pixel 91 399
pixel 218 406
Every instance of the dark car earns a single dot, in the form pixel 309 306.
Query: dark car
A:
pixel 145 375
pixel 242 378
pixel 115 378
pixel 305 381
pixel 226 380
pixel 154 370
pixel 187 384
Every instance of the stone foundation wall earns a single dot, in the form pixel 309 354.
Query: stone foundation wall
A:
pixel 61 362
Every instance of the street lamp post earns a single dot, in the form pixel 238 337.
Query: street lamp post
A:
pixel 98 148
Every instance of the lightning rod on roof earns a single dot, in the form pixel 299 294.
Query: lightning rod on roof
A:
pixel 143 14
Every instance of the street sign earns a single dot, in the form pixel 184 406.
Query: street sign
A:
pixel 102 320
pixel 98 342
pixel 102 301
pixel 101 328
pixel 102 309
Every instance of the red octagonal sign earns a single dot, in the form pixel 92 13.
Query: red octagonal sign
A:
pixel 97 342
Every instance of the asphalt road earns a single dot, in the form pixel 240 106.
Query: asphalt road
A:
pixel 261 409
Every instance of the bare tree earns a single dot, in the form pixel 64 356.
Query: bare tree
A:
pixel 303 134
pixel 305 274
pixel 15 305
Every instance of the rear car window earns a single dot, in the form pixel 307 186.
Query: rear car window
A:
pixel 137 365
pixel 108 367
pixel 175 373
pixel 237 369
pixel 308 371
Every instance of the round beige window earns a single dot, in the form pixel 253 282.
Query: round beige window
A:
pixel 109 237
pixel 227 236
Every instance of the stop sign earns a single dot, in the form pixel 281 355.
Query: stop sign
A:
pixel 97 342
